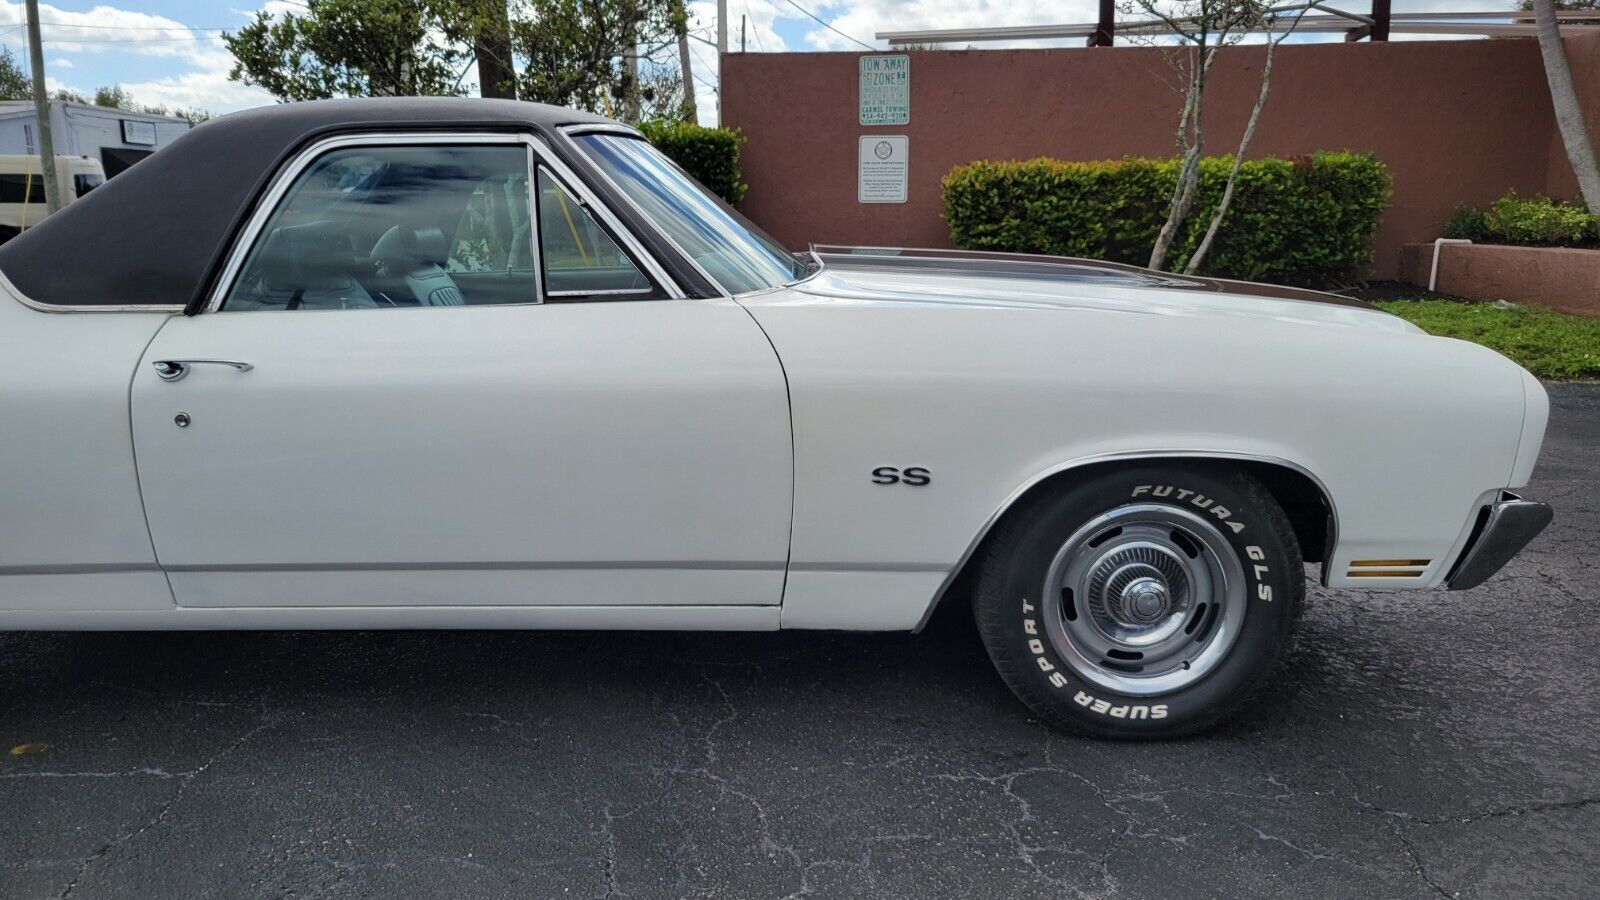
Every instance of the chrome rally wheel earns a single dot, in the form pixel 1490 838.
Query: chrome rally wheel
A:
pixel 1144 599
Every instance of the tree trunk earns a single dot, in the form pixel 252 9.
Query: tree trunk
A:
pixel 1569 115
pixel 1183 192
pixel 1200 252
pixel 1188 183
pixel 497 76
pixel 631 104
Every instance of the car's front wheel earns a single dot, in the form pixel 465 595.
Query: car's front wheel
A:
pixel 1144 603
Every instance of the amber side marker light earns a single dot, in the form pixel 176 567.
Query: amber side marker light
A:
pixel 1387 568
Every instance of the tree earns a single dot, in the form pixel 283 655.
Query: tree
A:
pixel 353 48
pixel 14 82
pixel 595 54
pixel 1569 115
pixel 575 50
pixel 1202 27
pixel 114 97
pixel 1274 38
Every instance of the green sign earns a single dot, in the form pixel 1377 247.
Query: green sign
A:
pixel 885 90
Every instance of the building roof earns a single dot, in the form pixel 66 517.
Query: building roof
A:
pixel 156 234
pixel 10 108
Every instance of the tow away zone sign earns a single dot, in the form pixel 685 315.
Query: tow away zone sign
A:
pixel 885 93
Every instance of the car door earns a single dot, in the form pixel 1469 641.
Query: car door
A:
pixel 410 393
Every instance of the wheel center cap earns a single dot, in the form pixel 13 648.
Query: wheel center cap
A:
pixel 1145 599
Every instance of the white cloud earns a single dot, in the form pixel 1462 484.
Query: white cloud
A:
pixel 210 91
pixel 107 29
pixel 61 64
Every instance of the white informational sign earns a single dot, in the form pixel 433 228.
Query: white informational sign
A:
pixel 142 133
pixel 885 90
pixel 883 168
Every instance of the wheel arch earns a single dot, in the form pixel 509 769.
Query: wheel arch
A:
pixel 1304 497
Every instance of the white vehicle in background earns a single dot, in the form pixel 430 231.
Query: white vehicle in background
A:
pixel 432 363
pixel 22 200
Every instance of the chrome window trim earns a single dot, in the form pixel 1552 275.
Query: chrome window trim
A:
pixel 56 308
pixel 539 154
pixel 286 177
pixel 568 131
pixel 613 292
pixel 532 162
pixel 1129 456
pixel 601 128
pixel 589 201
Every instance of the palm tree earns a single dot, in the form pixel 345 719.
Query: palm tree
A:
pixel 1569 115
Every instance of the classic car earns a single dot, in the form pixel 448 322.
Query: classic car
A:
pixel 535 376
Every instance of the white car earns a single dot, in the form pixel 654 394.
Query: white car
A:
pixel 362 376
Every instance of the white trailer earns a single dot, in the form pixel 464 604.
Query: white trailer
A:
pixel 116 138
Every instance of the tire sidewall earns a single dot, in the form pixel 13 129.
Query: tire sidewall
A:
pixel 1265 552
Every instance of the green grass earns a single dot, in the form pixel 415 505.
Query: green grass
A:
pixel 1549 344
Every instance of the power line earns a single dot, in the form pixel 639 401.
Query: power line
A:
pixel 819 21
pixel 174 27
pixel 74 41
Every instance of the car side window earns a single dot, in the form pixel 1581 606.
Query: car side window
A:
pixel 494 232
pixel 581 260
pixel 382 227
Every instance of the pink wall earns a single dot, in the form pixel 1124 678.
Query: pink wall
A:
pixel 1456 122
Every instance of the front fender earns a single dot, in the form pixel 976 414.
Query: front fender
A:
pixel 1406 433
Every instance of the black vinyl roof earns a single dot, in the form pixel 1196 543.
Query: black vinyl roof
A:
pixel 153 235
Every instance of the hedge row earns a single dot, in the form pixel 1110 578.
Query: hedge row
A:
pixel 1529 221
pixel 1307 220
pixel 711 155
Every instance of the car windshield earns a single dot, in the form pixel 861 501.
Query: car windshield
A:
pixel 737 254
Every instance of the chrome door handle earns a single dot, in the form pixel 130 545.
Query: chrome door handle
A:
pixel 175 369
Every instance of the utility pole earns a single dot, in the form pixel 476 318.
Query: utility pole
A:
pixel 741 33
pixel 41 108
pixel 722 50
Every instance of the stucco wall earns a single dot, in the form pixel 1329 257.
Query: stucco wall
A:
pixel 1561 278
pixel 1456 122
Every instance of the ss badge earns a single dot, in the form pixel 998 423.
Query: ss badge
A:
pixel 915 476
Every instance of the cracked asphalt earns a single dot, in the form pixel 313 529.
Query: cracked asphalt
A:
pixel 1417 745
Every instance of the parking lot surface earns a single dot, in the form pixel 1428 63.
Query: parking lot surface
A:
pixel 1417 745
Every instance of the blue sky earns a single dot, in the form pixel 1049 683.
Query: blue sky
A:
pixel 168 52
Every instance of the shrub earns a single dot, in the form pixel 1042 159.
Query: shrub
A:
pixel 1538 221
pixel 1307 220
pixel 711 155
pixel 1530 221
pixel 1467 223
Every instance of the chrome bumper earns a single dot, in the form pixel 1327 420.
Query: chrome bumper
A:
pixel 1503 528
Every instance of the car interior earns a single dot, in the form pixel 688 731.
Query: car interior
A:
pixel 430 226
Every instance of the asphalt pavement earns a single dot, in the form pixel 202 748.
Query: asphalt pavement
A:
pixel 1417 745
